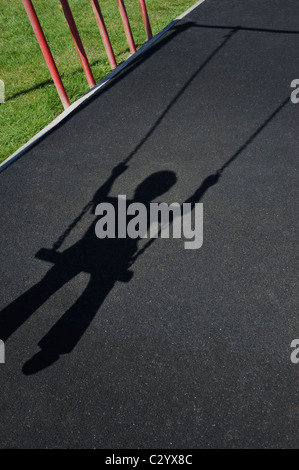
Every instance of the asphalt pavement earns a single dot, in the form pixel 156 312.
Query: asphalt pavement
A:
pixel 120 344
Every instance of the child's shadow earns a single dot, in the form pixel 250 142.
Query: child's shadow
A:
pixel 107 261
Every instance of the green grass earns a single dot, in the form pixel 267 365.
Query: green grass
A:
pixel 31 100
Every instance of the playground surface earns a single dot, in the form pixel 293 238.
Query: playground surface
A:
pixel 181 348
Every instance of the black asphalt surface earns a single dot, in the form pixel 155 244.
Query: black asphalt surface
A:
pixel 185 348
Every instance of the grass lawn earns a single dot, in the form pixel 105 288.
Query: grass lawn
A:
pixel 31 100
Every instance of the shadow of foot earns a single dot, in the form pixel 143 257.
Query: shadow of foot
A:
pixel 39 361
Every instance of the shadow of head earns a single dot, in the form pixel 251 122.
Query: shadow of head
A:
pixel 154 186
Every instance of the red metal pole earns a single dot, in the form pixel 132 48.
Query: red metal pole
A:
pixel 126 23
pixel 146 21
pixel 104 33
pixel 77 41
pixel 46 52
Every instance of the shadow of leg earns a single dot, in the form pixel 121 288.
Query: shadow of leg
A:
pixel 67 332
pixel 15 314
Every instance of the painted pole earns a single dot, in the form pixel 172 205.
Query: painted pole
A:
pixel 41 39
pixel 77 41
pixel 127 27
pixel 146 21
pixel 104 33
